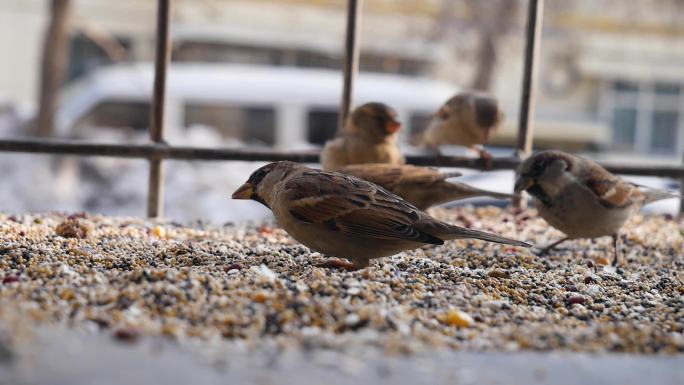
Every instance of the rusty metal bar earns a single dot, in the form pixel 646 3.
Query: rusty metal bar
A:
pixel 155 197
pixel 535 12
pixel 162 151
pixel 681 192
pixel 529 84
pixel 351 59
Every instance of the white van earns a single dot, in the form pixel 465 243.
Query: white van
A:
pixel 261 105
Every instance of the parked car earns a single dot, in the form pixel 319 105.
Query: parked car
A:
pixel 263 105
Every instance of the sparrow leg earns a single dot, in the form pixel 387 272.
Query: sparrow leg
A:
pixel 486 157
pixel 551 246
pixel 340 264
pixel 616 249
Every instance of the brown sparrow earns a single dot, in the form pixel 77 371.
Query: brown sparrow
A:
pixel 347 217
pixel 580 198
pixel 423 187
pixel 467 119
pixel 370 137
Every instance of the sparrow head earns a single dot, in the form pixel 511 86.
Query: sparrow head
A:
pixel 374 120
pixel 474 111
pixel 487 113
pixel 262 183
pixel 543 170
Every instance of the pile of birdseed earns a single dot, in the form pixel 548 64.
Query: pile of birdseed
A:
pixel 133 278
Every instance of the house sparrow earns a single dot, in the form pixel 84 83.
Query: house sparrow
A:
pixel 423 187
pixel 347 217
pixel 467 119
pixel 580 198
pixel 369 137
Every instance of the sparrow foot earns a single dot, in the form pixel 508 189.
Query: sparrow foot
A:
pixel 487 158
pixel 548 248
pixel 616 249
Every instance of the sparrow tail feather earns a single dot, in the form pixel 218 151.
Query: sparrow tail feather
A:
pixel 653 195
pixel 462 191
pixel 447 231
pixel 460 233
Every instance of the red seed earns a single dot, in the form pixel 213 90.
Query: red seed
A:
pixel 10 279
pixel 126 334
pixel 576 298
pixel 233 266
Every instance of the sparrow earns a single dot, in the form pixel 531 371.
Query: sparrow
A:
pixel 346 217
pixel 423 187
pixel 370 136
pixel 467 119
pixel 580 198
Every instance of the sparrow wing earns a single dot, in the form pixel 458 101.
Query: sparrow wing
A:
pixel 353 207
pixel 393 176
pixel 611 190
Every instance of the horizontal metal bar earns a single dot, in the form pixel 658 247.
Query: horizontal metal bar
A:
pixel 161 151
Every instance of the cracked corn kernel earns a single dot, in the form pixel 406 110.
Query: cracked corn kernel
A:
pixel 260 297
pixel 159 232
pixel 458 318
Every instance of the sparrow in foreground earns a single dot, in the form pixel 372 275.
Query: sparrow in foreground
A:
pixel 343 216
pixel 467 119
pixel 580 198
pixel 423 187
pixel 370 137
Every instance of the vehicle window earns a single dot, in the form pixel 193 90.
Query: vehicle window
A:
pixel 86 55
pixel 418 122
pixel 118 114
pixel 251 124
pixel 321 125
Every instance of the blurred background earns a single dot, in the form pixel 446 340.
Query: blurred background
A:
pixel 267 73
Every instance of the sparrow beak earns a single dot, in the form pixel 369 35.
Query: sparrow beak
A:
pixel 246 191
pixel 523 183
pixel 393 126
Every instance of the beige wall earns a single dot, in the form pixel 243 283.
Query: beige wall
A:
pixel 21 29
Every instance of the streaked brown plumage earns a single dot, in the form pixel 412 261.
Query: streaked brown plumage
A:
pixel 369 137
pixel 467 119
pixel 347 217
pixel 423 187
pixel 580 198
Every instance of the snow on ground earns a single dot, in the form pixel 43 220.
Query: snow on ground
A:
pixel 112 186
pixel 193 190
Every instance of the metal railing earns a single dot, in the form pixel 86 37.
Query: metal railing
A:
pixel 158 150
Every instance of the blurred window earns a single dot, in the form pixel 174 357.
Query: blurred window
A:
pixel 252 124
pixel 625 87
pixel 667 89
pixel 321 125
pixel 646 117
pixel 118 114
pixel 624 128
pixel 664 132
pixel 217 52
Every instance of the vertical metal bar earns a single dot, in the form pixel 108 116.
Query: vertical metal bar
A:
pixel 155 197
pixel 535 12
pixel 351 59
pixel 681 202
pixel 529 84
pixel 681 192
